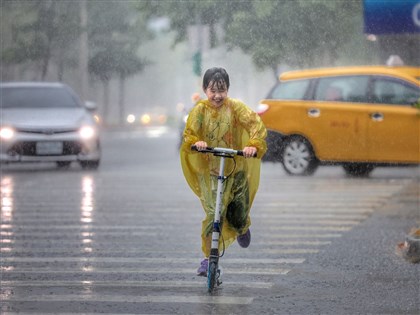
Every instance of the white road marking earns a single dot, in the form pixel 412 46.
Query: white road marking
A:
pixel 152 260
pixel 194 299
pixel 148 271
pixel 309 228
pixel 311 236
pixel 65 250
pixel 133 284
pixel 292 243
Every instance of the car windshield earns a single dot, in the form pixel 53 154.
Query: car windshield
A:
pixel 36 97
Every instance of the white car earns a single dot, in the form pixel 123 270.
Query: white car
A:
pixel 47 122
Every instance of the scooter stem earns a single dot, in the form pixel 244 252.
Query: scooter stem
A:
pixel 219 200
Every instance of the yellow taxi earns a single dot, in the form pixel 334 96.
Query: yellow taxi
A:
pixel 359 117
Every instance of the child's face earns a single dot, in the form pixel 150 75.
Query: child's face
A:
pixel 216 93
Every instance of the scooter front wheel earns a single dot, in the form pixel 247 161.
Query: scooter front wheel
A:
pixel 211 276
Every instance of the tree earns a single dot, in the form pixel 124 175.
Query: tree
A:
pixel 298 33
pixel 127 65
pixel 42 31
pixel 115 34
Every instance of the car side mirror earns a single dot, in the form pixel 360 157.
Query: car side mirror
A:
pixel 91 106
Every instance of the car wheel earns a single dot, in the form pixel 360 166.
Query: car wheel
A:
pixel 274 145
pixel 358 169
pixel 298 157
pixel 63 164
pixel 91 165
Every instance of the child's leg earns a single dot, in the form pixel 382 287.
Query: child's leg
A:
pixel 237 213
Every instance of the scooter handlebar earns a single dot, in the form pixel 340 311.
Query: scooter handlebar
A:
pixel 220 150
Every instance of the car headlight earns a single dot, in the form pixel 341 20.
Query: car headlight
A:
pixel 6 133
pixel 87 132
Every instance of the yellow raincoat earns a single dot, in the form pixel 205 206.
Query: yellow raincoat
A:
pixel 232 125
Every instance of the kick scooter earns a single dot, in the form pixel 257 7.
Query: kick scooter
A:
pixel 214 273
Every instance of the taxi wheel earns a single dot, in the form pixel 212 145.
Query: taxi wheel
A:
pixel 358 169
pixel 298 157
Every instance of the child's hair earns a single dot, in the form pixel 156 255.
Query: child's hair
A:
pixel 216 76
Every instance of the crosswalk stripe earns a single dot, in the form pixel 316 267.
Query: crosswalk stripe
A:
pixel 313 221
pixel 147 271
pixel 129 283
pixel 258 215
pixel 195 299
pixel 319 210
pixel 262 234
pixel 123 228
pixel 66 313
pixel 309 228
pixel 310 216
pixel 292 243
pixel 124 247
pixel 279 220
pixel 65 250
pixel 299 235
pixel 153 260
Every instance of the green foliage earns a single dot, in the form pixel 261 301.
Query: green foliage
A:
pixel 38 31
pixel 114 35
pixel 298 33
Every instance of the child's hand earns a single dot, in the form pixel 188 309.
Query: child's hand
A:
pixel 201 145
pixel 249 152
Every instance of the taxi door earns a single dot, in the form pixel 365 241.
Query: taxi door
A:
pixel 394 124
pixel 337 118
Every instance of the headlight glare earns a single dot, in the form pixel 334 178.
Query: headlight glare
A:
pixel 6 133
pixel 87 132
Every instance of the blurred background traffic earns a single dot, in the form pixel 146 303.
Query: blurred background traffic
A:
pixel 141 61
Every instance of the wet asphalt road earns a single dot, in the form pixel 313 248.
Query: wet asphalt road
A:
pixel 126 239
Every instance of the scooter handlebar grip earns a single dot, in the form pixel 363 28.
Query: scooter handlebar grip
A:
pixel 241 153
pixel 208 149
pixel 211 150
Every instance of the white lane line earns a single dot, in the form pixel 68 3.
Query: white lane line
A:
pixel 309 228
pixel 40 251
pixel 287 251
pixel 125 283
pixel 152 260
pixel 337 216
pixel 191 299
pixel 100 247
pixel 309 236
pixel 261 234
pixel 81 226
pixel 81 234
pixel 292 243
pixel 145 271
pixel 124 229
pixel 34 217
pixel 59 313
pixel 317 210
pixel 327 203
pixel 312 221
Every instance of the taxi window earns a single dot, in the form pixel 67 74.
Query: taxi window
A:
pixel 290 90
pixel 393 91
pixel 342 89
